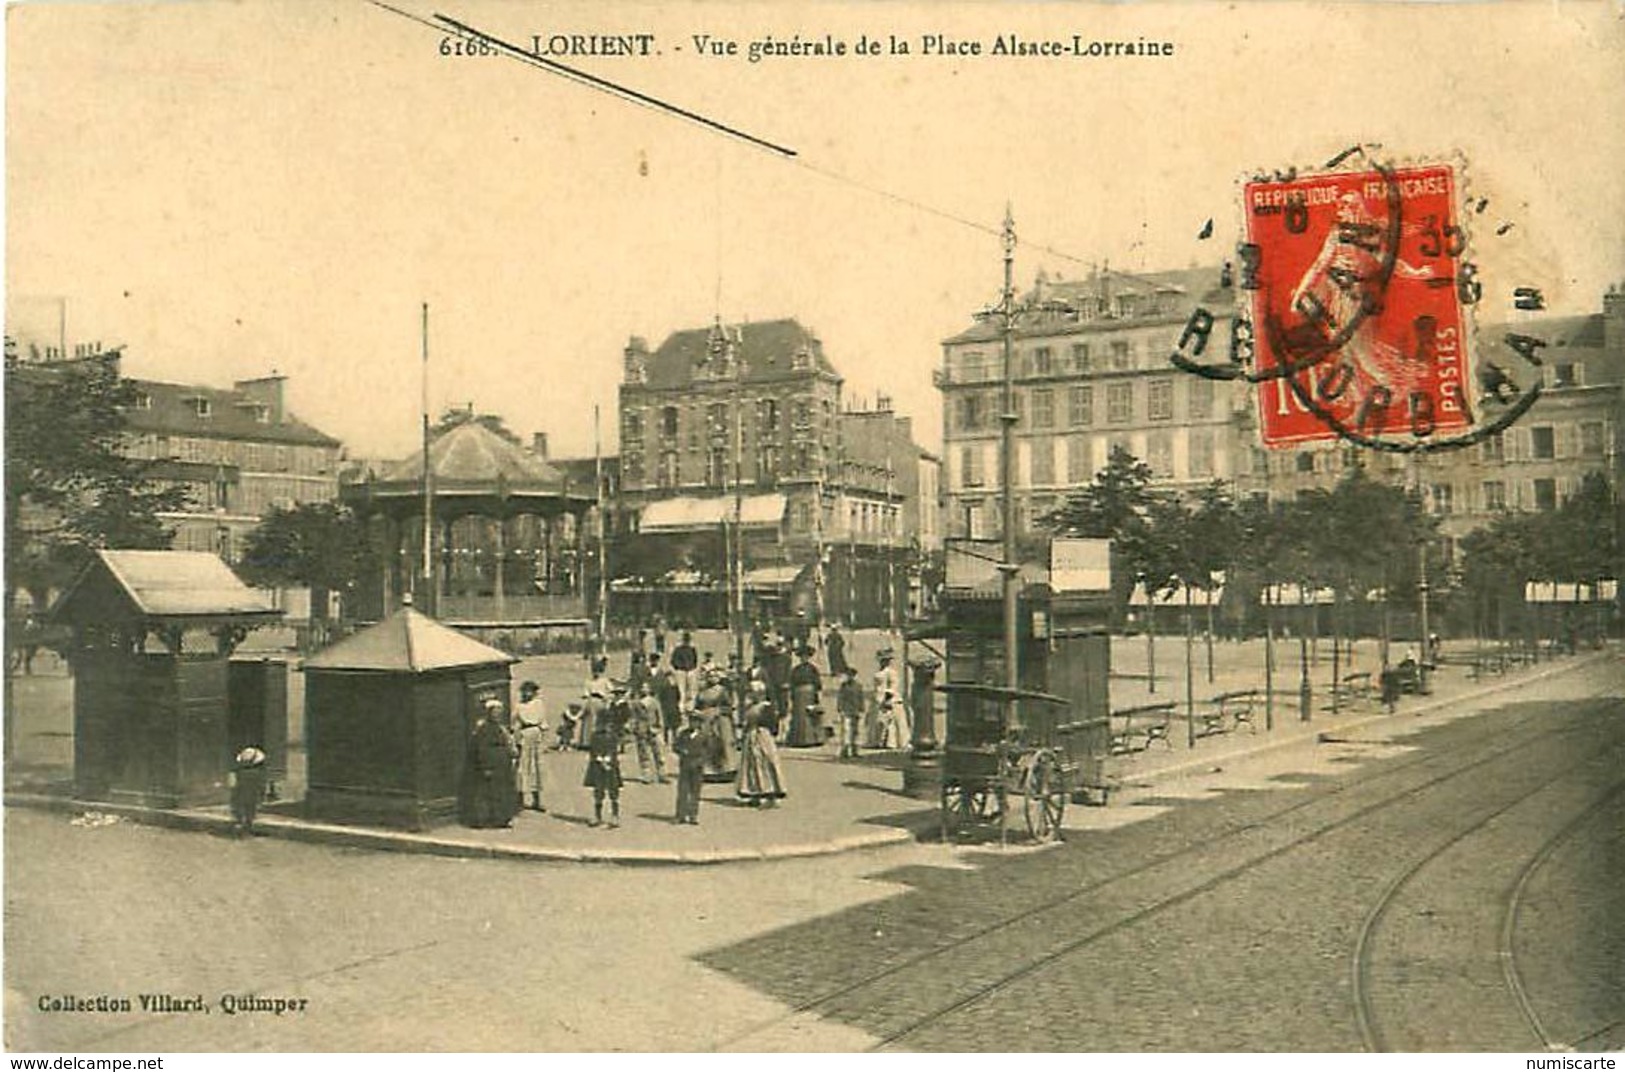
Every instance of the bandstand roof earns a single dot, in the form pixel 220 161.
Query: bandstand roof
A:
pixel 472 459
pixel 410 642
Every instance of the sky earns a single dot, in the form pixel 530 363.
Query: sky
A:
pixel 228 189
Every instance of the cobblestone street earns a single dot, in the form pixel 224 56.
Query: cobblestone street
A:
pixel 1224 914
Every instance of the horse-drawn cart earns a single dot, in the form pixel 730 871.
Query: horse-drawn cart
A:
pixel 1004 743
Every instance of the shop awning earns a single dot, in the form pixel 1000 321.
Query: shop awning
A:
pixel 693 514
pixel 771 578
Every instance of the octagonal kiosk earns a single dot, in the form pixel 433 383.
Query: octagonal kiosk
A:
pixel 388 712
pixel 152 635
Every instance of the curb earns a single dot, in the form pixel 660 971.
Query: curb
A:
pixel 1151 777
pixel 424 844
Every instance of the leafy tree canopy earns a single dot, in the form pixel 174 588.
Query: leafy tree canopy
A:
pixel 323 545
pixel 70 488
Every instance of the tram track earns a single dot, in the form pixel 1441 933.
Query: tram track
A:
pixel 1372 1037
pixel 1189 893
pixel 1515 742
pixel 1509 927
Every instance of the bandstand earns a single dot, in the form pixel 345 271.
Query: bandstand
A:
pixel 508 533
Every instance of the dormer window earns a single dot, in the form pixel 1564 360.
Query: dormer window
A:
pixel 262 414
pixel 143 400
pixel 201 407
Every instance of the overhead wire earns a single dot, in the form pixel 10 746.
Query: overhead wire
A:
pixel 444 23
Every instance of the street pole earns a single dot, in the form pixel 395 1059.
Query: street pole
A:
pixel 603 562
pixel 1422 583
pixel 1007 419
pixel 1305 691
pixel 1269 658
pixel 888 530
pixel 426 604
pixel 1190 672
pixel 738 614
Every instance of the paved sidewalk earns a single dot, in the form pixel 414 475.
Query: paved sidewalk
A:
pixel 833 805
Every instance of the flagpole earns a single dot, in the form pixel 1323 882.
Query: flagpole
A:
pixel 427 603
pixel 603 564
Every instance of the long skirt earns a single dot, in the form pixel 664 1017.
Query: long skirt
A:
pixel 488 798
pixel 805 729
pixel 532 742
pixel 760 775
pixel 895 723
pixel 721 755
pixel 688 793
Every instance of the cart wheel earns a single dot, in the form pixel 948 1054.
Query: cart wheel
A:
pixel 1046 795
pixel 965 805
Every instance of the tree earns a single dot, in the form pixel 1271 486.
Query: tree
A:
pixel 1583 545
pixel 323 545
pixel 70 488
pixel 1113 502
pixel 1215 546
pixel 460 415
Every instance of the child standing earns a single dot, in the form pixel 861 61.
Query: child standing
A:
pixel 691 746
pixel 849 703
pixel 247 789
pixel 603 775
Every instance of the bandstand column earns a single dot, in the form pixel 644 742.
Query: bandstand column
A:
pixel 500 552
pixel 446 561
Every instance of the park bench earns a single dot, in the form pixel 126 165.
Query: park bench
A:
pixel 1228 710
pixel 1142 724
pixel 1353 689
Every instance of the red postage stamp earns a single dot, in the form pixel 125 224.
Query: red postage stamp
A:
pixel 1355 282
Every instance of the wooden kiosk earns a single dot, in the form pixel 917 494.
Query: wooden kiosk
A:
pixel 1047 737
pixel 152 635
pixel 388 712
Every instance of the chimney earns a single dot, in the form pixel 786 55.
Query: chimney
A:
pixel 636 359
pixel 268 391
pixel 538 445
pixel 1613 319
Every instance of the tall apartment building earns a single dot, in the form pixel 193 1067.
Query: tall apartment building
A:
pixel 1577 427
pixel 1091 372
pixel 745 422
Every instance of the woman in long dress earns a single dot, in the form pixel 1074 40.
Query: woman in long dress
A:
pixel 761 778
pixel 721 754
pixel 530 735
pixel 806 730
pixel 487 797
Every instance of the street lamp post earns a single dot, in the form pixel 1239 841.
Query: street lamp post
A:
pixel 1009 568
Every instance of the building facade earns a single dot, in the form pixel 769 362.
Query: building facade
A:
pixel 739 469
pixel 1091 372
pixel 239 452
pixel 1574 429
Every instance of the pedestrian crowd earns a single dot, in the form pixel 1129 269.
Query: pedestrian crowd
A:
pixel 680 708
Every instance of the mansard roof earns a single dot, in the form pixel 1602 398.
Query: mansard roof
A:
pixel 769 350
pixel 224 413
